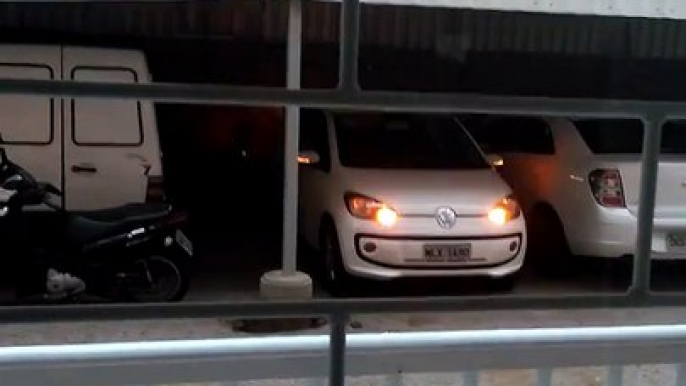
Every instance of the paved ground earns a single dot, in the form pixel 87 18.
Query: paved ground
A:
pixel 232 272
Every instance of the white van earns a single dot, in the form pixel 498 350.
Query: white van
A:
pixel 101 152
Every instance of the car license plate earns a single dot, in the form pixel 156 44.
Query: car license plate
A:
pixel 676 243
pixel 184 242
pixel 449 253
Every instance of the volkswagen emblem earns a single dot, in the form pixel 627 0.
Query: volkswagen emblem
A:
pixel 446 217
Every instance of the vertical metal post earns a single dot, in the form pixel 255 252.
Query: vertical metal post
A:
pixel 350 45
pixel 544 377
pixel 615 376
pixel 290 193
pixel 646 208
pixel 337 350
pixel 470 378
pixel 315 382
pixel 395 379
pixel 680 375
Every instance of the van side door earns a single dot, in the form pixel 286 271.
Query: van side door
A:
pixel 110 148
pixel 31 124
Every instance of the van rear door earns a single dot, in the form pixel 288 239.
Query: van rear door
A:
pixel 108 152
pixel 31 125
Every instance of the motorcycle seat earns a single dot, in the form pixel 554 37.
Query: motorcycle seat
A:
pixel 89 225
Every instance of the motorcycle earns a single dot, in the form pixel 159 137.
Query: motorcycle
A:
pixel 134 252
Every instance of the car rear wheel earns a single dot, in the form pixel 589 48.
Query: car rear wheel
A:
pixel 336 278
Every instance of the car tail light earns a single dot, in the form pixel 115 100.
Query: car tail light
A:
pixel 367 208
pixel 504 210
pixel 606 186
pixel 155 189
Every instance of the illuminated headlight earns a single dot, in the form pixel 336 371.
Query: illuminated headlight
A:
pixel 504 210
pixel 367 208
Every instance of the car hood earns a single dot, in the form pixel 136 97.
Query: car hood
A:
pixel 468 192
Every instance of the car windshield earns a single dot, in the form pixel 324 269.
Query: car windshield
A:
pixel 405 141
pixel 603 136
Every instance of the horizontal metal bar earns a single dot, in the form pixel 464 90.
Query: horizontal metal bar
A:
pixel 670 9
pixel 363 100
pixel 111 1
pixel 324 307
pixel 368 354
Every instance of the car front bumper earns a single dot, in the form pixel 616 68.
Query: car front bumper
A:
pixel 373 252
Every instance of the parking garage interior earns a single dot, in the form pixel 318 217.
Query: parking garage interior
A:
pixel 225 163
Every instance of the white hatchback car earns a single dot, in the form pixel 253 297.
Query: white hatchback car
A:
pixel 578 182
pixel 389 195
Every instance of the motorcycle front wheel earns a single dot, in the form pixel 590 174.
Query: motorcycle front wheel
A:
pixel 159 279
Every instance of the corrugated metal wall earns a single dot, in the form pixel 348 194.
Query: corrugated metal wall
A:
pixel 449 32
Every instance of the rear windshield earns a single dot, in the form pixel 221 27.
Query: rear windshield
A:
pixel 405 141
pixel 625 136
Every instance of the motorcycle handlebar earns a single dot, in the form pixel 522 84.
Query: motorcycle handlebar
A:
pixel 52 205
pixel 49 188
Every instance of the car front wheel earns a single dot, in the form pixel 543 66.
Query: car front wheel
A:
pixel 336 278
pixel 505 283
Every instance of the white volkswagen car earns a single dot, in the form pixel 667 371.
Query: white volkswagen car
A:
pixel 388 195
pixel 578 182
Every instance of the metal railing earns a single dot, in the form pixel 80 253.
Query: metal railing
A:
pixel 390 354
pixel 160 361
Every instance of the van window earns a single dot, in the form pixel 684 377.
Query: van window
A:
pixel 103 121
pixel 625 136
pixel 26 119
pixel 405 141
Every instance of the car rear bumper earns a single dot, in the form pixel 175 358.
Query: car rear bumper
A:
pixel 613 236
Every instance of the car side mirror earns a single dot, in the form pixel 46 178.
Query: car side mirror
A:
pixel 308 157
pixel 495 160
